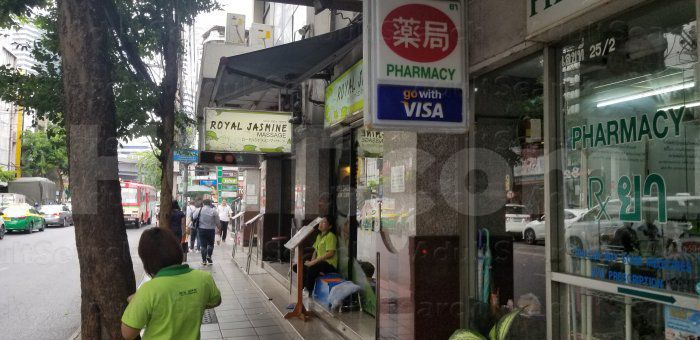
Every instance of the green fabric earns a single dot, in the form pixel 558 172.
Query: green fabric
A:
pixel 171 305
pixel 326 243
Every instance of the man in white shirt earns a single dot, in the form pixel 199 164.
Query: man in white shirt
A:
pixel 224 217
pixel 191 207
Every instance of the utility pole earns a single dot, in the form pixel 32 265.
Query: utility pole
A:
pixel 18 141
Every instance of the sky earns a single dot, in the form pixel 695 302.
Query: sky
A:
pixel 244 7
pixel 206 20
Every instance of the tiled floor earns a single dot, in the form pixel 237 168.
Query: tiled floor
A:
pixel 244 313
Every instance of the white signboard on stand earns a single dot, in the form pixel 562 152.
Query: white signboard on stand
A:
pixel 415 62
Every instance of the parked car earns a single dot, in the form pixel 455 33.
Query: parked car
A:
pixel 57 215
pixel 2 229
pixel 516 218
pixel 645 237
pixel 23 217
pixel 535 230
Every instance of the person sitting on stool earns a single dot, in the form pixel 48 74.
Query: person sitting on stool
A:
pixel 325 257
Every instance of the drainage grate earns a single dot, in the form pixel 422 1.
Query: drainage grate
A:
pixel 209 317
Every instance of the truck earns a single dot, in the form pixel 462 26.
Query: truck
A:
pixel 37 190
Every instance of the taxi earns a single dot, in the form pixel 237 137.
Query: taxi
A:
pixel 23 217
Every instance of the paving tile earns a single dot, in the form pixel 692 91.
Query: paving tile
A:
pixel 277 336
pixel 269 330
pixel 230 312
pixel 235 325
pixel 264 322
pixel 229 333
pixel 210 335
pixel 255 310
pixel 232 318
pixel 251 337
pixel 263 316
pixel 229 307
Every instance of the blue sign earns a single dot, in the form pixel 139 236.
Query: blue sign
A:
pixel 415 103
pixel 186 156
pixel 207 182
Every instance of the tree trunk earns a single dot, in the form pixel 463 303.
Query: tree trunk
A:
pixel 61 185
pixel 106 270
pixel 166 111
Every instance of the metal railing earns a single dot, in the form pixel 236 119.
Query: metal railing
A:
pixel 237 224
pixel 253 237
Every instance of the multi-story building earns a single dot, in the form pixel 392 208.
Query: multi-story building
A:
pixel 8 116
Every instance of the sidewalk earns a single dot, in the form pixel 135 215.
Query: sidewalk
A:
pixel 245 312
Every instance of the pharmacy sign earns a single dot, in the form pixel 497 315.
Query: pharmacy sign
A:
pixel 415 59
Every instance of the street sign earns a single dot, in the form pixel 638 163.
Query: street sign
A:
pixel 186 156
pixel 229 180
pixel 415 62
pixel 208 182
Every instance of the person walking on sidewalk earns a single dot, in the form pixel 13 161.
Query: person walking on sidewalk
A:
pixel 224 218
pixel 177 224
pixel 191 208
pixel 208 219
pixel 171 305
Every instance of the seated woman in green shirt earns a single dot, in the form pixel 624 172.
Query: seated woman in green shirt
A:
pixel 325 257
pixel 171 305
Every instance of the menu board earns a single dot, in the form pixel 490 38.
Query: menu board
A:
pixel 302 234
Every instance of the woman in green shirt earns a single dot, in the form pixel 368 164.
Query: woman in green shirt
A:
pixel 325 257
pixel 171 305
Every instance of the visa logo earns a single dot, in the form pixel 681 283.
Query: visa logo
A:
pixel 423 109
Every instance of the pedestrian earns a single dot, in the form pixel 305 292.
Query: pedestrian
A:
pixel 325 257
pixel 208 219
pixel 178 224
pixel 224 218
pixel 158 304
pixel 191 208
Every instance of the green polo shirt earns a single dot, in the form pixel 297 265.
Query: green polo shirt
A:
pixel 171 305
pixel 324 243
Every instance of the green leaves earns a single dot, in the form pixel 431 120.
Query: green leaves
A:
pixel 12 12
pixel 44 153
pixel 463 334
pixel 502 327
pixel 149 171
pixel 498 332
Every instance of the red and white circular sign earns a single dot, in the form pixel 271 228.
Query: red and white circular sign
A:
pixel 420 33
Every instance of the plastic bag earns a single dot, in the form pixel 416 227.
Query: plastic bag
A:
pixel 218 239
pixel 341 291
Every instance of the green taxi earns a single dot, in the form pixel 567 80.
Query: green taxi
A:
pixel 23 217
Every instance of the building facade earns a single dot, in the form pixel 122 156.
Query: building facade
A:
pixel 573 195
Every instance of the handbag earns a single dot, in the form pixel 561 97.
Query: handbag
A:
pixel 195 220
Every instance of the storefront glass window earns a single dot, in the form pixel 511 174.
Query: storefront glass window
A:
pixel 508 184
pixel 630 106
pixel 369 146
pixel 631 110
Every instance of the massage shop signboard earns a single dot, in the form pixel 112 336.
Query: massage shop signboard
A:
pixel 228 130
pixel 344 96
pixel 414 65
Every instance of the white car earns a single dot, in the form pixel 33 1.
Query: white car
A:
pixel 535 230
pixel 516 218
pixel 589 233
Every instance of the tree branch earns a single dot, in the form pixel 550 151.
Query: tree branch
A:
pixel 128 46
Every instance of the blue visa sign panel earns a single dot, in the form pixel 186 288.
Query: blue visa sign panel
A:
pixel 421 104
pixel 415 65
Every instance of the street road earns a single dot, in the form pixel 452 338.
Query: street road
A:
pixel 40 283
